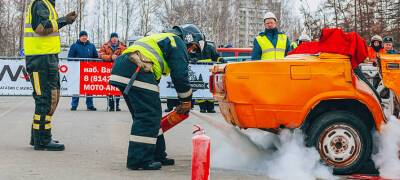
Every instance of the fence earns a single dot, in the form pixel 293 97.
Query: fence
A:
pixel 87 76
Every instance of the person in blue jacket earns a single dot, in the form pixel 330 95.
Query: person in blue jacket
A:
pixel 83 48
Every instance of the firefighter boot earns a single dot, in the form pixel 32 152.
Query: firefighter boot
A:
pixel 32 142
pixel 166 161
pixel 147 166
pixel 43 142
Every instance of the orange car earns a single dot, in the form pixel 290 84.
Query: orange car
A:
pixel 319 94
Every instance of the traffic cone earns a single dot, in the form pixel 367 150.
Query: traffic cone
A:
pixel 200 155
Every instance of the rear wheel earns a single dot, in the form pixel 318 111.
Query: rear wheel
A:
pixel 343 141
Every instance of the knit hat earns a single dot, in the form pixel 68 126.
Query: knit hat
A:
pixel 83 33
pixel 387 39
pixel 114 34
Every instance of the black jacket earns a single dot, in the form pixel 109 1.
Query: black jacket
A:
pixel 40 15
pixel 209 52
pixel 176 58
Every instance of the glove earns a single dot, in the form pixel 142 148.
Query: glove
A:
pixel 71 17
pixel 141 61
pixel 184 107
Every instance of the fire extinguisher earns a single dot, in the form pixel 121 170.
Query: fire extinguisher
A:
pixel 200 155
pixel 172 119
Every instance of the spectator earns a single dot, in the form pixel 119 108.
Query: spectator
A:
pixel 270 44
pixel 109 52
pixel 82 48
pixel 304 38
pixel 388 45
pixel 375 48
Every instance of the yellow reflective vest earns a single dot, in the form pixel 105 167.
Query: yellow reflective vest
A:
pixel 35 44
pixel 149 48
pixel 269 52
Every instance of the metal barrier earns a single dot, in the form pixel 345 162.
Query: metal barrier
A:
pixel 14 79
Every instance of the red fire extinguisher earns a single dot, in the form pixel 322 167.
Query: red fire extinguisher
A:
pixel 172 119
pixel 200 155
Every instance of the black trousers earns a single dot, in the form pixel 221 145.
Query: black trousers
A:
pixel 146 142
pixel 206 105
pixel 172 103
pixel 45 79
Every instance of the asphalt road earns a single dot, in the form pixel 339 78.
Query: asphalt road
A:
pixel 96 145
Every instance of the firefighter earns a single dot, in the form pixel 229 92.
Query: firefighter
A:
pixel 156 55
pixel 375 48
pixel 270 44
pixel 42 45
pixel 206 53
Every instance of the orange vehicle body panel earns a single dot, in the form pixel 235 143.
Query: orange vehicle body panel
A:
pixel 391 72
pixel 270 94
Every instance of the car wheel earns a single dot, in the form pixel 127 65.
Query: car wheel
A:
pixel 342 139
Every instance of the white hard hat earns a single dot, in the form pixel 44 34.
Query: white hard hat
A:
pixel 304 37
pixel 376 38
pixel 269 15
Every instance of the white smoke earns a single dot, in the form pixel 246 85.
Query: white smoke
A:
pixel 387 159
pixel 278 157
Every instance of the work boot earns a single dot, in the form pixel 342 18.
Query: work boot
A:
pixel 52 140
pixel 92 108
pixel 51 146
pixel 32 142
pixel 147 166
pixel 43 142
pixel 211 111
pixel 166 161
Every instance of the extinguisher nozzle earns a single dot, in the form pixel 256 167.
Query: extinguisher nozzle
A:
pixel 198 128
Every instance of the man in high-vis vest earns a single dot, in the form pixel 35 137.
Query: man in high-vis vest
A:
pixel 42 45
pixel 270 44
pixel 156 55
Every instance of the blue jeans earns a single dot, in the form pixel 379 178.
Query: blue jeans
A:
pixel 75 101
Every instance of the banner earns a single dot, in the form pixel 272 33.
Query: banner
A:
pixel 69 73
pixel 94 78
pixel 15 81
pixel 199 80
pixel 91 78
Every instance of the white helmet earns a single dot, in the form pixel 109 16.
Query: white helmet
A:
pixel 304 37
pixel 269 15
pixel 376 38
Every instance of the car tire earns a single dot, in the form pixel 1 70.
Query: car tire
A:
pixel 343 141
